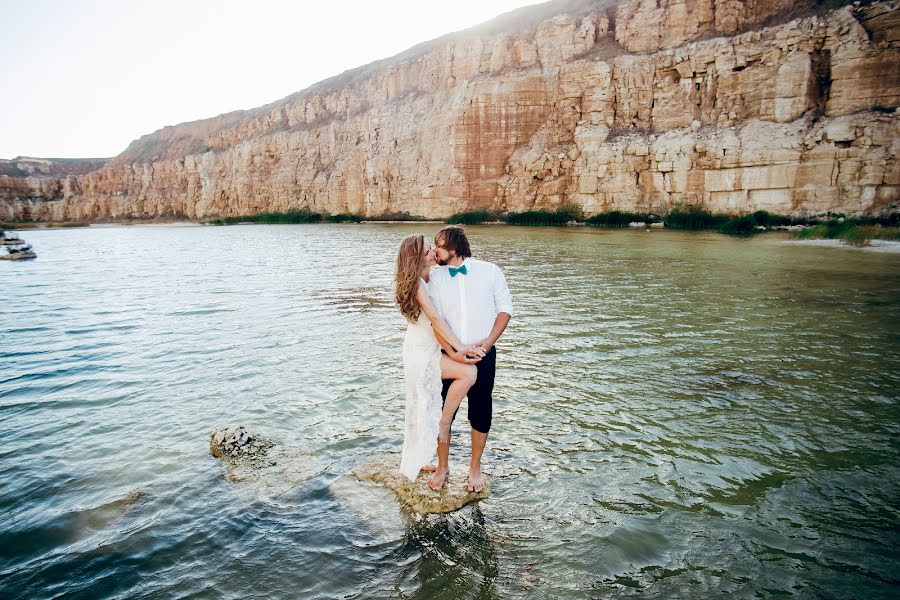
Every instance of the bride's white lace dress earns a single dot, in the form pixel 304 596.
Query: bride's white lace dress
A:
pixel 422 371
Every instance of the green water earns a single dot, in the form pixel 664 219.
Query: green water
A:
pixel 676 415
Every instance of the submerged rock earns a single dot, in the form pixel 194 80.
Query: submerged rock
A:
pixel 385 469
pixel 252 457
pixel 234 441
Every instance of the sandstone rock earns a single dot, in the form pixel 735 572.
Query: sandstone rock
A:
pixel 385 469
pixel 529 118
pixel 648 26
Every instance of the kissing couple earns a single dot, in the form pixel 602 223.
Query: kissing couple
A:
pixel 456 313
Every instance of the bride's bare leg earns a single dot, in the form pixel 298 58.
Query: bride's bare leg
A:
pixel 463 378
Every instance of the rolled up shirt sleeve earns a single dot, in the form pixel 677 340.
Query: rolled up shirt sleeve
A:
pixel 502 297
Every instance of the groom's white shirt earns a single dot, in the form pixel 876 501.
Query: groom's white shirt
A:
pixel 470 303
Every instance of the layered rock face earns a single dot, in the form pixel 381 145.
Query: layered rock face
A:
pixel 644 105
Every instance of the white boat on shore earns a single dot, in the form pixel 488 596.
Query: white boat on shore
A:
pixel 16 249
pixel 23 252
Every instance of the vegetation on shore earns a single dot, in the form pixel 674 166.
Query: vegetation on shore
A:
pixel 397 216
pixel 618 218
pixel 855 231
pixel 41 224
pixel 565 214
pixel 291 216
pixel 473 217
pixel 852 232
pixel 307 216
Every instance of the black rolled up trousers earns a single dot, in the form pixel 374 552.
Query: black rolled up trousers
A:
pixel 481 402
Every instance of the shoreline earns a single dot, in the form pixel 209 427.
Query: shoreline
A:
pixel 875 245
pixel 879 246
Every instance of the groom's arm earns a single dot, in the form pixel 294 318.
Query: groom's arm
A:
pixel 500 323
pixel 503 305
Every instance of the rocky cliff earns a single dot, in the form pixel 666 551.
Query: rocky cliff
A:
pixel 736 105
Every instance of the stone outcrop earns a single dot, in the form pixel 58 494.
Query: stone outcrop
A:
pixel 253 458
pixel 385 470
pixel 734 105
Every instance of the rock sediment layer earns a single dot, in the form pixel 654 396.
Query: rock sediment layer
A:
pixel 641 105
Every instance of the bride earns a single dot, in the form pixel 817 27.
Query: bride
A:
pixel 424 366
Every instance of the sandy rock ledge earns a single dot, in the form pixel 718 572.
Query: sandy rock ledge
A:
pixel 385 469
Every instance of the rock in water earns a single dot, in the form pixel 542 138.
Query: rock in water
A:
pixel 385 469
pixel 251 457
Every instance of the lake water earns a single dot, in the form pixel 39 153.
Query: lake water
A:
pixel 676 415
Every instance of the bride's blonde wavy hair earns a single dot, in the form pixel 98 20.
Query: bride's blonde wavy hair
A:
pixel 410 260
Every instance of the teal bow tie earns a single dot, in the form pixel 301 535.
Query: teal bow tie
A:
pixel 461 270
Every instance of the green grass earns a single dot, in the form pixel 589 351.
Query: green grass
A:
pixel 289 217
pixel 536 218
pixel 745 225
pixel 397 216
pixel 767 219
pixel 343 218
pixel 851 232
pixel 472 217
pixel 694 218
pixel 618 218
pixel 561 216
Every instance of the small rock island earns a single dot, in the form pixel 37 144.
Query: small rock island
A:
pixel 385 470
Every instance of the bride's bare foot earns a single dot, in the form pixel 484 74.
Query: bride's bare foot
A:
pixel 429 469
pixel 437 480
pixel 476 481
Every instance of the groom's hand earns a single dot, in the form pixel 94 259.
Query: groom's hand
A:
pixel 464 357
pixel 474 350
pixel 485 346
pixel 469 355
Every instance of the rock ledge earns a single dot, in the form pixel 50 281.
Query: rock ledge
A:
pixel 385 469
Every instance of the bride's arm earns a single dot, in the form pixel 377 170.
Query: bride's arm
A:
pixel 457 355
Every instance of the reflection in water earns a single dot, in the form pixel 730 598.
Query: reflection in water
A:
pixel 456 553
pixel 676 415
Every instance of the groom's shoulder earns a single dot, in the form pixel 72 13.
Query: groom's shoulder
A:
pixel 484 264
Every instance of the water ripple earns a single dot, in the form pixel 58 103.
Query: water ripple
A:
pixel 676 415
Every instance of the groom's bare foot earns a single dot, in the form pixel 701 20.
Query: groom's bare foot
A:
pixel 437 480
pixel 429 469
pixel 476 481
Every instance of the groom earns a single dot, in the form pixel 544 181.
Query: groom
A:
pixel 473 298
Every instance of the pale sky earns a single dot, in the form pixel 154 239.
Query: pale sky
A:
pixel 82 79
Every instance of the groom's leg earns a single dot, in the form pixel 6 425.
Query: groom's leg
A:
pixel 480 395
pixel 480 415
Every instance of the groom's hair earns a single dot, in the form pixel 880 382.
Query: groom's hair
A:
pixel 454 238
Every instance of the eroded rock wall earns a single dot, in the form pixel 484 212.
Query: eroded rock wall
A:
pixel 642 106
